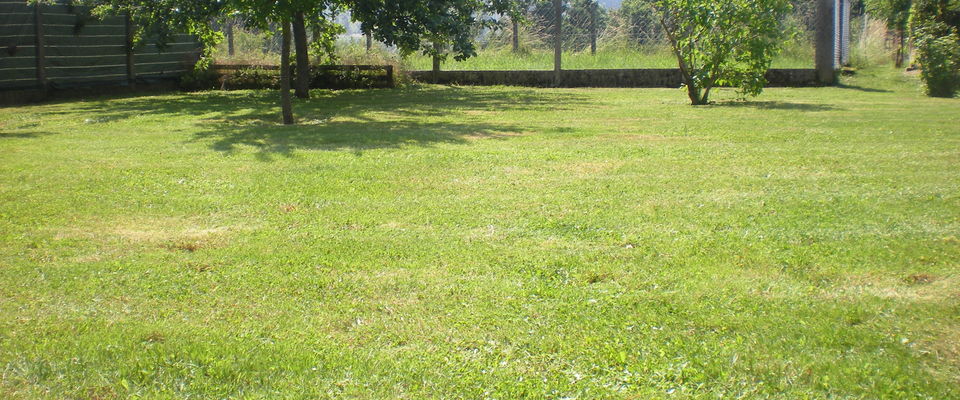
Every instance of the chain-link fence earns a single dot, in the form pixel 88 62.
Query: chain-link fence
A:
pixel 595 34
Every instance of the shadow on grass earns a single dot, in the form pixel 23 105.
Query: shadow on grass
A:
pixel 863 89
pixel 23 135
pixel 776 105
pixel 355 119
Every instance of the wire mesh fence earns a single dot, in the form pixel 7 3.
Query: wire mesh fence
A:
pixel 593 36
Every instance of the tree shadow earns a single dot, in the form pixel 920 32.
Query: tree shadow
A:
pixel 777 105
pixel 863 89
pixel 23 135
pixel 356 120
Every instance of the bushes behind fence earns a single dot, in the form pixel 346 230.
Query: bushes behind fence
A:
pixel 268 77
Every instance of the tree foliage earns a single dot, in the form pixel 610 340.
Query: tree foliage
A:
pixel 160 20
pixel 642 19
pixel 579 22
pixel 408 24
pixel 723 42
pixel 935 28
pixel 895 14
pixel 416 25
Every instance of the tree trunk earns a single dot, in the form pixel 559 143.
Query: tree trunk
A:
pixel 303 56
pixel 898 61
pixel 286 107
pixel 369 41
pixel 699 95
pixel 693 93
pixel 437 48
pixel 705 97
pixel 130 59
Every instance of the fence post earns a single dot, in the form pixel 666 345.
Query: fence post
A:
pixel 390 78
pixel 230 50
pixel 131 73
pixel 825 42
pixel 516 34
pixel 39 46
pixel 843 32
pixel 557 39
pixel 594 9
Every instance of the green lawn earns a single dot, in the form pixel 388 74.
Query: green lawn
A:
pixel 461 242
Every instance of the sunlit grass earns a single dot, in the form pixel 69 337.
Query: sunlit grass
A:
pixel 483 242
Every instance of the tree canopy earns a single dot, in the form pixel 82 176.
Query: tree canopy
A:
pixel 410 25
pixel 414 25
pixel 935 27
pixel 723 42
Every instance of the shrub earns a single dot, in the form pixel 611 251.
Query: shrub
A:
pixel 939 60
pixel 199 79
pixel 261 78
pixel 723 42
pixel 935 25
pixel 253 78
pixel 347 79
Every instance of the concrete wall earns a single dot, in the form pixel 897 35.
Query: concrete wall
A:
pixel 628 78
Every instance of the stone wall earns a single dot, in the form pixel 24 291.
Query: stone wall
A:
pixel 626 78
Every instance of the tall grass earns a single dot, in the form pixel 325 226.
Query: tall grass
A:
pixel 543 59
pixel 249 48
pixel 869 45
pixel 799 55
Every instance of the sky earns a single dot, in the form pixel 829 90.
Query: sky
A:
pixel 611 3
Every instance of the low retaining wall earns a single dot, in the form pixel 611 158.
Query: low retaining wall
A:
pixel 624 78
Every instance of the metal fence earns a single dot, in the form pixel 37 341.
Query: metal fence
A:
pixel 628 36
pixel 63 46
pixel 595 35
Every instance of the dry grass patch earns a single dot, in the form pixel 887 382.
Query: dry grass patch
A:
pixel 918 287
pixel 593 168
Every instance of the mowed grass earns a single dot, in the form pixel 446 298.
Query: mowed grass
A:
pixel 483 242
